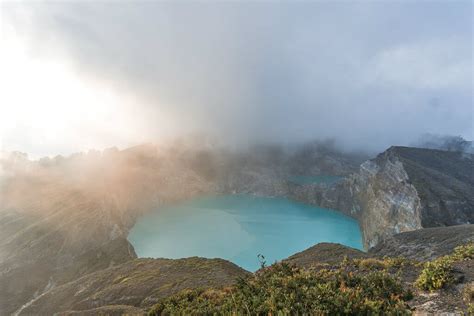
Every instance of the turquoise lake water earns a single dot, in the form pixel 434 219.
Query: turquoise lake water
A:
pixel 315 179
pixel 238 228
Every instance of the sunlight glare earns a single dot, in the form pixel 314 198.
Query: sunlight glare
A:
pixel 50 103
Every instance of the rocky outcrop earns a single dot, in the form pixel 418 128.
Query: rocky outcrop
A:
pixel 403 189
pixel 386 202
pixel 136 284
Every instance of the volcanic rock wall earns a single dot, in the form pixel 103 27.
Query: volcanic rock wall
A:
pixel 402 189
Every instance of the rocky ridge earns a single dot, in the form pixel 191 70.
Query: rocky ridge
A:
pixel 402 189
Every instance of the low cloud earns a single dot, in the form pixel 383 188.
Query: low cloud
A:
pixel 368 74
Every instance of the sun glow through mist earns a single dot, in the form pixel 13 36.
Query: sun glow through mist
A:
pixel 54 108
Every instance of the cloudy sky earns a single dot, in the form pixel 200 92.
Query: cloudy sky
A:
pixel 92 74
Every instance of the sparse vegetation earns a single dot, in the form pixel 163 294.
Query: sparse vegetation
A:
pixel 435 275
pixel 438 273
pixel 368 286
pixel 370 264
pixel 396 262
pixel 286 290
pixel 465 252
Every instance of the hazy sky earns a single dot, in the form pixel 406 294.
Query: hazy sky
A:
pixel 368 73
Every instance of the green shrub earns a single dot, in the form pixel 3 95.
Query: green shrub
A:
pixel 284 290
pixel 465 252
pixel 396 262
pixel 370 264
pixel 379 264
pixel 438 273
pixel 435 274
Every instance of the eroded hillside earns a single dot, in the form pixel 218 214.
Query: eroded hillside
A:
pixel 64 217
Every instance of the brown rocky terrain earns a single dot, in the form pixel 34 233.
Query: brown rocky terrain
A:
pixel 425 244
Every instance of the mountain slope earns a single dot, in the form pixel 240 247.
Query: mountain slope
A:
pixel 444 181
pixel 425 244
pixel 402 189
pixel 62 218
pixel 138 283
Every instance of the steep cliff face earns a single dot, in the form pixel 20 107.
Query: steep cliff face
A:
pixel 403 189
pixel 387 202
